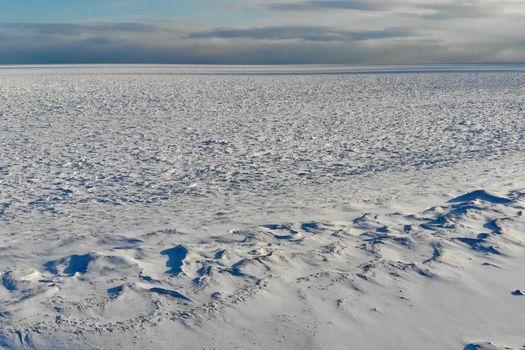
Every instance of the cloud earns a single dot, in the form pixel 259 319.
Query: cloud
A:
pixel 77 28
pixel 165 42
pixel 307 33
pixel 462 9
pixel 432 10
pixel 327 4
pixel 300 31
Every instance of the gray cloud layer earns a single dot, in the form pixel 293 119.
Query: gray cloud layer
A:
pixel 443 10
pixel 344 31
pixel 307 33
pixel 76 29
pixel 328 4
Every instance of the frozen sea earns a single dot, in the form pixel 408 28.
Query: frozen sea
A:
pixel 268 207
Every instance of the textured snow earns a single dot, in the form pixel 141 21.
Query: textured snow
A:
pixel 274 207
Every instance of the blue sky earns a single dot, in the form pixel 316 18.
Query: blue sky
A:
pixel 48 11
pixel 77 10
pixel 261 31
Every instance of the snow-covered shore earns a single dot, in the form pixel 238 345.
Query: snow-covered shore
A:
pixel 327 208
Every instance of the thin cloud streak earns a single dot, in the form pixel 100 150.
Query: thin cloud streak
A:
pixel 430 10
pixel 307 33
pixel 326 5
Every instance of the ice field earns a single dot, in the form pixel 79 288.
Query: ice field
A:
pixel 284 207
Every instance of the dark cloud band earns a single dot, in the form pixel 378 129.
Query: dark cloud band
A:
pixel 307 33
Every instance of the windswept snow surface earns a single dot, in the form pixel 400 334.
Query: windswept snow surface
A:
pixel 312 207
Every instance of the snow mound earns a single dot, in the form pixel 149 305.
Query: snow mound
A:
pixel 361 256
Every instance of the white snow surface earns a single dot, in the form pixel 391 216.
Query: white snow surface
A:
pixel 284 207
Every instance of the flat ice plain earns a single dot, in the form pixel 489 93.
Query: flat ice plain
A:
pixel 299 207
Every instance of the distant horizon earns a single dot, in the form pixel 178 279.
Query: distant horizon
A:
pixel 261 70
pixel 429 64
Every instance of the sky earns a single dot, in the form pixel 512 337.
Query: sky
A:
pixel 262 31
